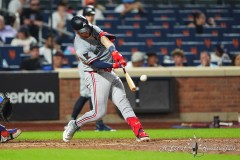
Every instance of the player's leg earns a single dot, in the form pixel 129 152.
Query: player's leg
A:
pixel 78 106
pixel 99 88
pixel 100 125
pixel 120 100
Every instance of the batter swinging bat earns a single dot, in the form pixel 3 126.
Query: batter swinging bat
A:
pixel 129 81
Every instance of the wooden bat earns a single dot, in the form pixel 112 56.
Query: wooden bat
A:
pixel 129 80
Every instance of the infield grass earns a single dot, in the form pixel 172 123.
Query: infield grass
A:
pixel 91 154
pixel 160 133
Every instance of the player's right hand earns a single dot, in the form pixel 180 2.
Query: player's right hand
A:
pixel 123 63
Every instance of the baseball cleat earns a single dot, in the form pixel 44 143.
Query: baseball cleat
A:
pixel 10 134
pixel 100 126
pixel 142 136
pixel 70 130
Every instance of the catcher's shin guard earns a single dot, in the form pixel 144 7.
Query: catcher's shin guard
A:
pixel 137 129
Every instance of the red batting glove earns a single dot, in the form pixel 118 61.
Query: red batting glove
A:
pixel 123 62
pixel 117 56
pixel 116 65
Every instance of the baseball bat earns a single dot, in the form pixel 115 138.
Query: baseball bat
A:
pixel 129 80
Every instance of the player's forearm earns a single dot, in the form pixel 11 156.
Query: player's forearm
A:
pixel 106 42
pixel 101 64
pixel 104 65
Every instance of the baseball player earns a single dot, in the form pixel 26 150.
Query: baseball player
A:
pixel 99 56
pixel 5 112
pixel 89 13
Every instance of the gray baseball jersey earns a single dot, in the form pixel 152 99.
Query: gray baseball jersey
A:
pixel 91 49
pixel 101 83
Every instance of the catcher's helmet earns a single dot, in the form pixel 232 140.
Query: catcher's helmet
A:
pixel 80 23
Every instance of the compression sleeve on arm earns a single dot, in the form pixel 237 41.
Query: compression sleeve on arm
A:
pixel 102 65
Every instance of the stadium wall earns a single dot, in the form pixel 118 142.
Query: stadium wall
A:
pixel 200 93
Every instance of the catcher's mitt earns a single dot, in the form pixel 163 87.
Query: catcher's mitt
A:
pixel 5 108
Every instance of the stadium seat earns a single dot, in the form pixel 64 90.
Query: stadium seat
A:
pixel 217 13
pixel 110 23
pixel 164 13
pixel 183 29
pixel 190 58
pixel 128 30
pixel 164 48
pixel 165 22
pixel 132 47
pixel 8 40
pixel 196 63
pixel 156 30
pixel 135 23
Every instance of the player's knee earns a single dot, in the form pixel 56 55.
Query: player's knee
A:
pixel 99 115
pixel 121 101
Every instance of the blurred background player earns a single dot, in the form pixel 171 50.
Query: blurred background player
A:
pixel 89 13
pixel 90 5
pixel 7 134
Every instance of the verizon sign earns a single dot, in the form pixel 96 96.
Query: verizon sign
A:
pixel 31 97
pixel 34 95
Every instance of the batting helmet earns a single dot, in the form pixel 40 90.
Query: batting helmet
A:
pixel 88 10
pixel 80 23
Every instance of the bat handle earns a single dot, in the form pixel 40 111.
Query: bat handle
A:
pixel 124 70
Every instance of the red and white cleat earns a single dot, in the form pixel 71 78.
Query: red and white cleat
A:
pixel 142 136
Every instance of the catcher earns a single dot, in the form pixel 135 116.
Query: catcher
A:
pixel 5 113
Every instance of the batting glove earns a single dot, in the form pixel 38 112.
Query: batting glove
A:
pixel 117 57
pixel 116 65
pixel 123 62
